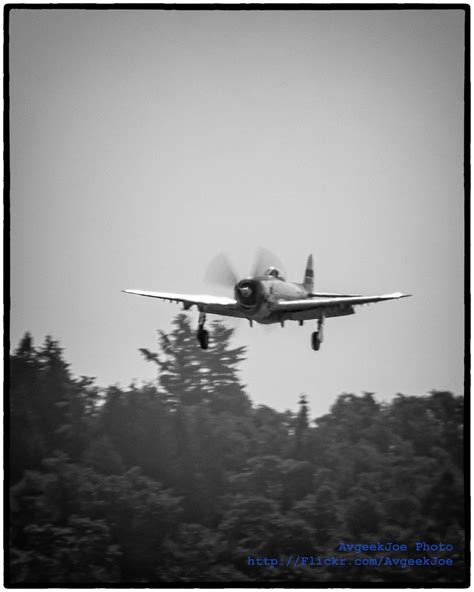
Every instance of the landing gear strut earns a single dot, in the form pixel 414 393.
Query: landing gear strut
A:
pixel 202 335
pixel 317 336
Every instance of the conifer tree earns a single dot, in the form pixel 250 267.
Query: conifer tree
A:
pixel 301 429
pixel 188 375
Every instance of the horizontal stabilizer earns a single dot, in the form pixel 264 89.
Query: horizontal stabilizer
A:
pixel 332 295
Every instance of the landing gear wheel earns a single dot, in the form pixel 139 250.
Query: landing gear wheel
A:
pixel 315 342
pixel 317 336
pixel 203 338
pixel 202 335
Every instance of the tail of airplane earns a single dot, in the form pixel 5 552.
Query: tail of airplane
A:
pixel 309 276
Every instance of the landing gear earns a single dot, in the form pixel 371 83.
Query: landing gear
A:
pixel 317 336
pixel 203 338
pixel 202 334
pixel 315 343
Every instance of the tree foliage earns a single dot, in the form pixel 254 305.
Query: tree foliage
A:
pixel 183 480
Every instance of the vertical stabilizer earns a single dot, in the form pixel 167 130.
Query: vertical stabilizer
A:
pixel 309 275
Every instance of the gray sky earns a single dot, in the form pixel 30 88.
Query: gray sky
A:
pixel 145 142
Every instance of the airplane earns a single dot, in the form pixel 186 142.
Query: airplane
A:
pixel 266 297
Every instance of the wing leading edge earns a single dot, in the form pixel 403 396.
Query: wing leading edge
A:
pixel 315 303
pixel 294 309
pixel 212 304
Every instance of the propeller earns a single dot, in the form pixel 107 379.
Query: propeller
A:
pixel 220 270
pixel 265 259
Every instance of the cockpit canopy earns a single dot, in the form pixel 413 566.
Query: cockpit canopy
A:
pixel 275 273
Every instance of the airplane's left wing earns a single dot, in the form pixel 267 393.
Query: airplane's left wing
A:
pixel 314 303
pixel 308 303
pixel 211 304
pixel 333 306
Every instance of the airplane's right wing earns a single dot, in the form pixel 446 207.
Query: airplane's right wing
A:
pixel 220 305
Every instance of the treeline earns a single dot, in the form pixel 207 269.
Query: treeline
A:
pixel 185 479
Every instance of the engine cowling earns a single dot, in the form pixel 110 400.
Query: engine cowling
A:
pixel 249 294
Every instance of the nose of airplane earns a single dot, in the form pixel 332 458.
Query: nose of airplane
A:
pixel 245 291
pixel 248 292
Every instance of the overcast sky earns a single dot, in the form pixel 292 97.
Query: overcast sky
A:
pixel 145 142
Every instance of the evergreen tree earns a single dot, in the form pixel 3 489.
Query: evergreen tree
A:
pixel 188 375
pixel 27 441
pixel 301 429
pixel 183 480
